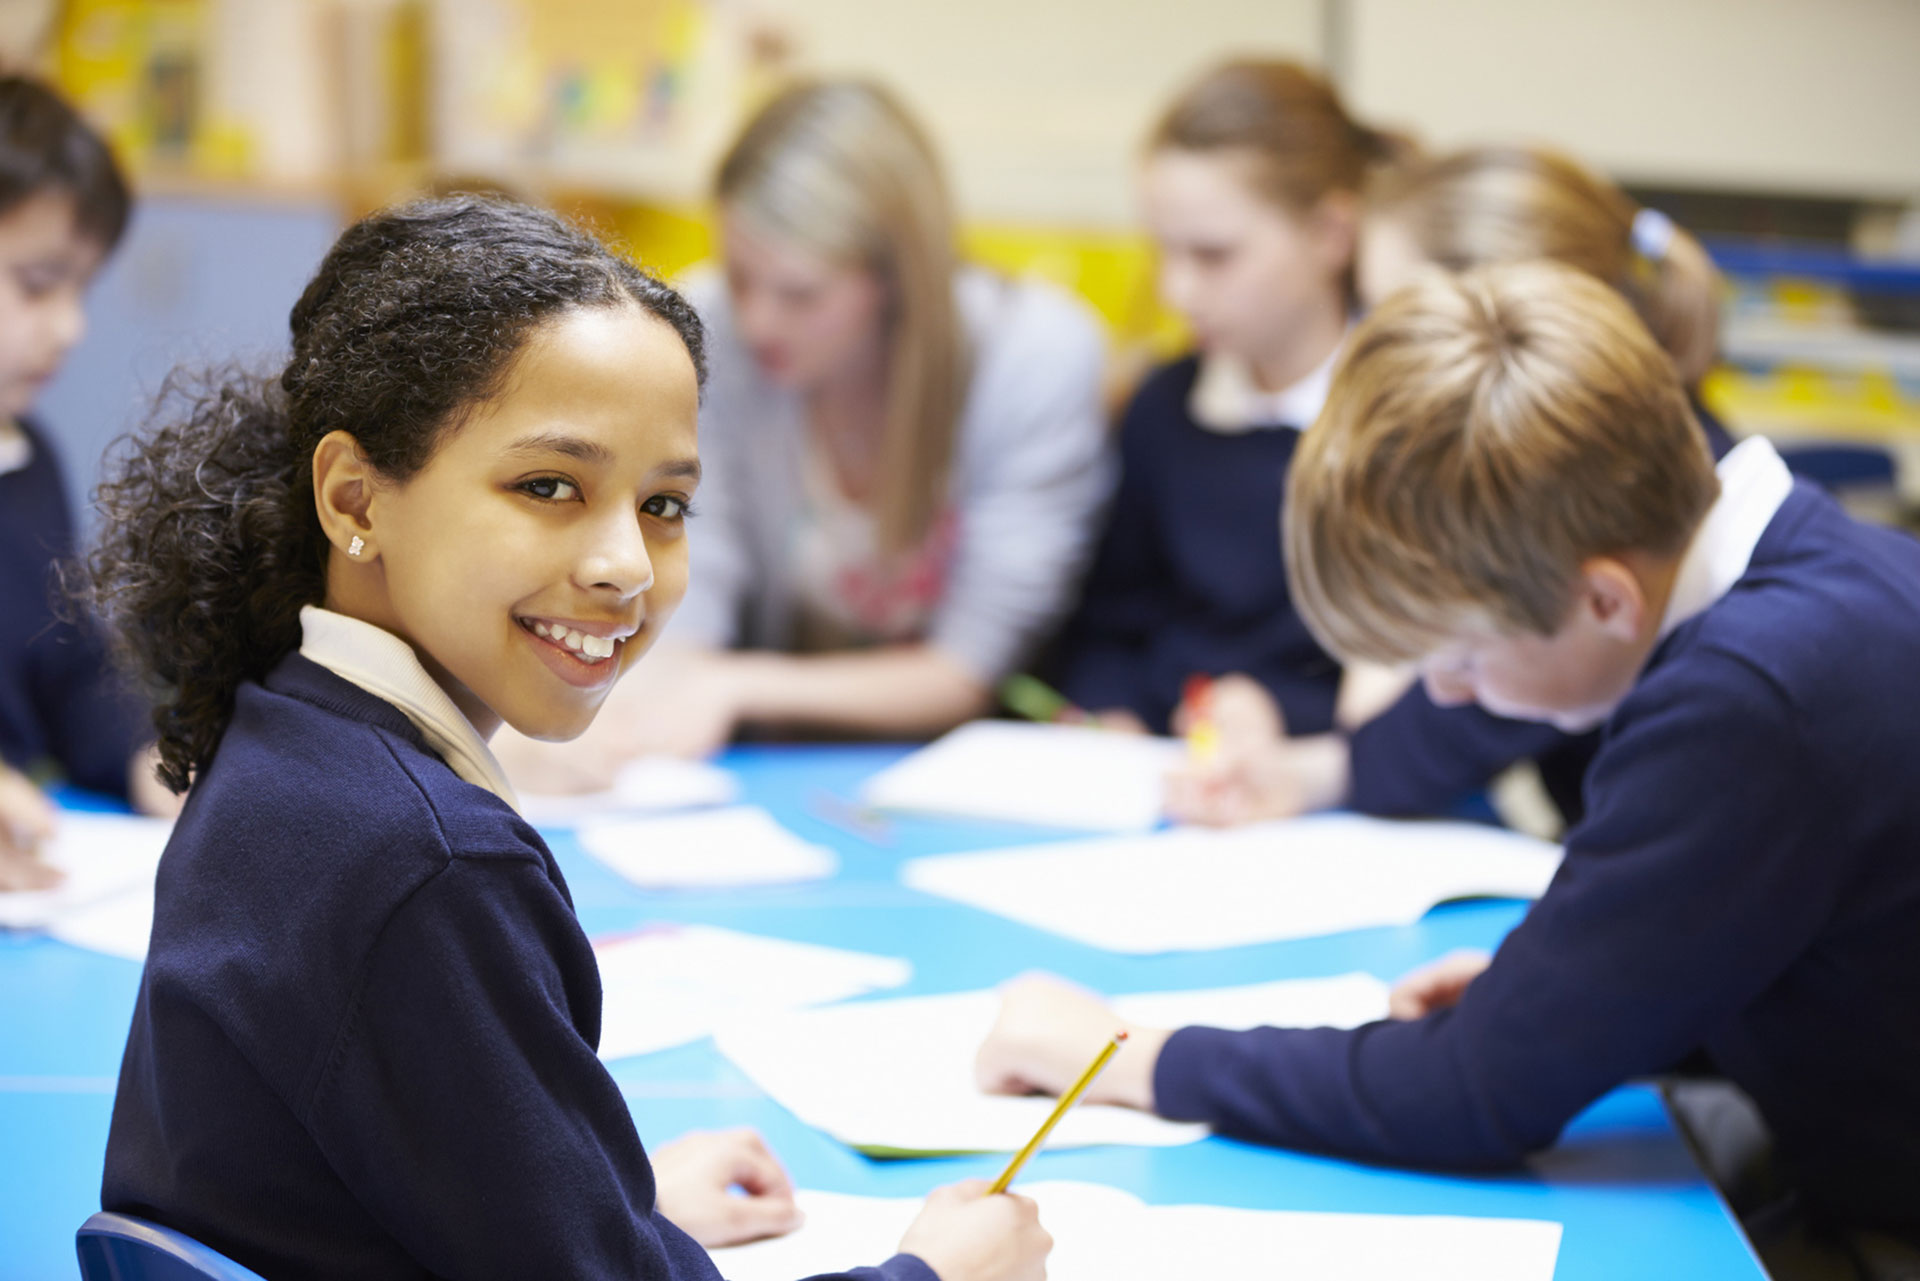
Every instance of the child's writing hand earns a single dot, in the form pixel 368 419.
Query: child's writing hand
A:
pixel 1117 720
pixel 27 820
pixel 696 1177
pixel 1244 716
pixel 1274 780
pixel 1046 1032
pixel 963 1234
pixel 1437 986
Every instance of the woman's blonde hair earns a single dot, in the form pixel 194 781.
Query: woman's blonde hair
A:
pixel 1484 436
pixel 840 169
pixel 1508 204
pixel 1287 119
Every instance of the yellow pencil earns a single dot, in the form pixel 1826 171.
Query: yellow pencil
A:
pixel 1067 1100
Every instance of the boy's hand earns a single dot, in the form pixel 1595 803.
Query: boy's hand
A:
pixel 695 1178
pixel 1437 986
pixel 1046 1034
pixel 27 821
pixel 963 1234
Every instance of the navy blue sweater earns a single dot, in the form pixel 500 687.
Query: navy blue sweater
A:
pixel 1746 881
pixel 60 702
pixel 1188 577
pixel 364 1043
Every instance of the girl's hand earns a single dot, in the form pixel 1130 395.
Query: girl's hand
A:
pixel 1438 986
pixel 1245 716
pixel 146 793
pixel 963 1234
pixel 27 821
pixel 1046 1034
pixel 1117 719
pixel 1280 779
pixel 695 1178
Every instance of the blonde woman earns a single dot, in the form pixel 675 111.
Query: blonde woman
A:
pixel 904 455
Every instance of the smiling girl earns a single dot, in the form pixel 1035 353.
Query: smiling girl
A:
pixel 364 1043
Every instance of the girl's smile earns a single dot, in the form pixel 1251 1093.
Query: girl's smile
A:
pixel 538 553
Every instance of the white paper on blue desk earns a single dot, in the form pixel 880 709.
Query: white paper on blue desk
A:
pixel 103 856
pixel 1193 889
pixel 1104 1234
pixel 1048 775
pixel 650 785
pixel 734 845
pixel 896 1076
pixel 669 984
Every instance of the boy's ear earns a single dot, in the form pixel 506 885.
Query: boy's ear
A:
pixel 343 490
pixel 1613 598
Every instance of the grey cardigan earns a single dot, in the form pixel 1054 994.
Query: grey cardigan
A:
pixel 1033 469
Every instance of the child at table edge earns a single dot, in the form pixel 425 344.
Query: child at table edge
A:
pixel 1508 488
pixel 365 1039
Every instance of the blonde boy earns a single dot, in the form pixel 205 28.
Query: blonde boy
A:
pixel 1507 489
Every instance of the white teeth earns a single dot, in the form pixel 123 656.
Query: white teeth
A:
pixel 589 647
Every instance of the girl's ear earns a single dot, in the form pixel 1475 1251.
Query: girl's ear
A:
pixel 343 495
pixel 1335 220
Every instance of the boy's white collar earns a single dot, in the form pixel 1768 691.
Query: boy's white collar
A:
pixel 1754 481
pixel 385 666
pixel 1226 399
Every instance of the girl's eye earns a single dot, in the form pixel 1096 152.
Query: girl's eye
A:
pixel 667 507
pixel 550 489
pixel 37 282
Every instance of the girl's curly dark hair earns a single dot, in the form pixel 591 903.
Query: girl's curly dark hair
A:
pixel 211 541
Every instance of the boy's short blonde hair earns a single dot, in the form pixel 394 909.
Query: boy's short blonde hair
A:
pixel 1485 435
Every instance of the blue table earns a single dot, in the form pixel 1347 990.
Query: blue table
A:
pixel 1633 1202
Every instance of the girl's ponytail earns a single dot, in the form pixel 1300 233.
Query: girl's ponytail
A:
pixel 209 548
pixel 1508 204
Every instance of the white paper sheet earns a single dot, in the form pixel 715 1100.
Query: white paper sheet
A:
pixel 668 984
pixel 734 845
pixel 896 1076
pixel 1192 889
pixel 118 926
pixel 1104 1234
pixel 1049 775
pixel 650 785
pixel 103 856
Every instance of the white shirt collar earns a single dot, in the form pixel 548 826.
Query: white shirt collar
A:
pixel 385 666
pixel 1226 399
pixel 16 447
pixel 1754 481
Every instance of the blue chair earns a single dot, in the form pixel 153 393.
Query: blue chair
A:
pixel 119 1247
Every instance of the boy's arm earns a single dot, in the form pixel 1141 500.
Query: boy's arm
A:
pixel 1420 758
pixel 1697 878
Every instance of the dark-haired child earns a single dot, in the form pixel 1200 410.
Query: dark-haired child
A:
pixel 63 206
pixel 364 1044
pixel 1509 489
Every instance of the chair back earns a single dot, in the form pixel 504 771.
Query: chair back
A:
pixel 120 1247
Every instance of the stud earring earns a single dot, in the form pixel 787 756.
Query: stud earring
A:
pixel 353 548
